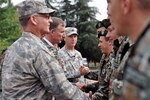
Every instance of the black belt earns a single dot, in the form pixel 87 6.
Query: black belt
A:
pixel 73 80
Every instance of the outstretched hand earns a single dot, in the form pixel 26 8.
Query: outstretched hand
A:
pixel 84 70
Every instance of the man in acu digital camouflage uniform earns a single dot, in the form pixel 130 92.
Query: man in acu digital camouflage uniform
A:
pixel 72 60
pixel 1 62
pixel 136 73
pixel 29 70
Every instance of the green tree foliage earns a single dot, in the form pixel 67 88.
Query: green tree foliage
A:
pixel 77 13
pixel 2 2
pixel 89 47
pixel 9 26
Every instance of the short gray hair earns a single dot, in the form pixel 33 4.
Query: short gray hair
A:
pixel 56 22
pixel 23 21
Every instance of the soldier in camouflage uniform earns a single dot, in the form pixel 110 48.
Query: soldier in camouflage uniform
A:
pixel 121 56
pixel 101 27
pixel 136 72
pixel 117 66
pixel 119 60
pixel 104 74
pixel 137 69
pixel 1 62
pixel 105 63
pixel 73 64
pixel 29 70
pixel 115 57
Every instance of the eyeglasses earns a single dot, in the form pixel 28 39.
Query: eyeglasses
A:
pixel 45 15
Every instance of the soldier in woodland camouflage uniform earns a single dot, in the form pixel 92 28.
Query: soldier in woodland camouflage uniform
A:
pixel 117 66
pixel 104 68
pixel 136 72
pixel 29 70
pixel 117 82
pixel 119 60
pixel 105 72
pixel 117 52
pixel 101 29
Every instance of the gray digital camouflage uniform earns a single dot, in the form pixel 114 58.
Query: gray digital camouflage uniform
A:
pixel 1 62
pixel 31 72
pixel 137 69
pixel 52 49
pixel 71 64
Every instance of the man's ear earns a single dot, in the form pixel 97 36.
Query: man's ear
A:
pixel 33 20
pixel 126 6
pixel 52 31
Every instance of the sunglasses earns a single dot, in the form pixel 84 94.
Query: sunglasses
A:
pixel 45 15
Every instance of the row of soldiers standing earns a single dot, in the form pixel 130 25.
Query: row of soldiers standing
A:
pixel 110 74
pixel 46 68
pixel 111 64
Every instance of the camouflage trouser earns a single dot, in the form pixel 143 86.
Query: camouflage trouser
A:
pixel 99 96
pixel 102 93
pixel 92 87
pixel 115 89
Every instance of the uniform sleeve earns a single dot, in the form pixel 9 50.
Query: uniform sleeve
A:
pixel 75 73
pixel 71 73
pixel 53 78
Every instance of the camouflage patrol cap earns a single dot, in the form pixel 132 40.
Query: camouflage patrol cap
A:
pixel 29 7
pixel 71 30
